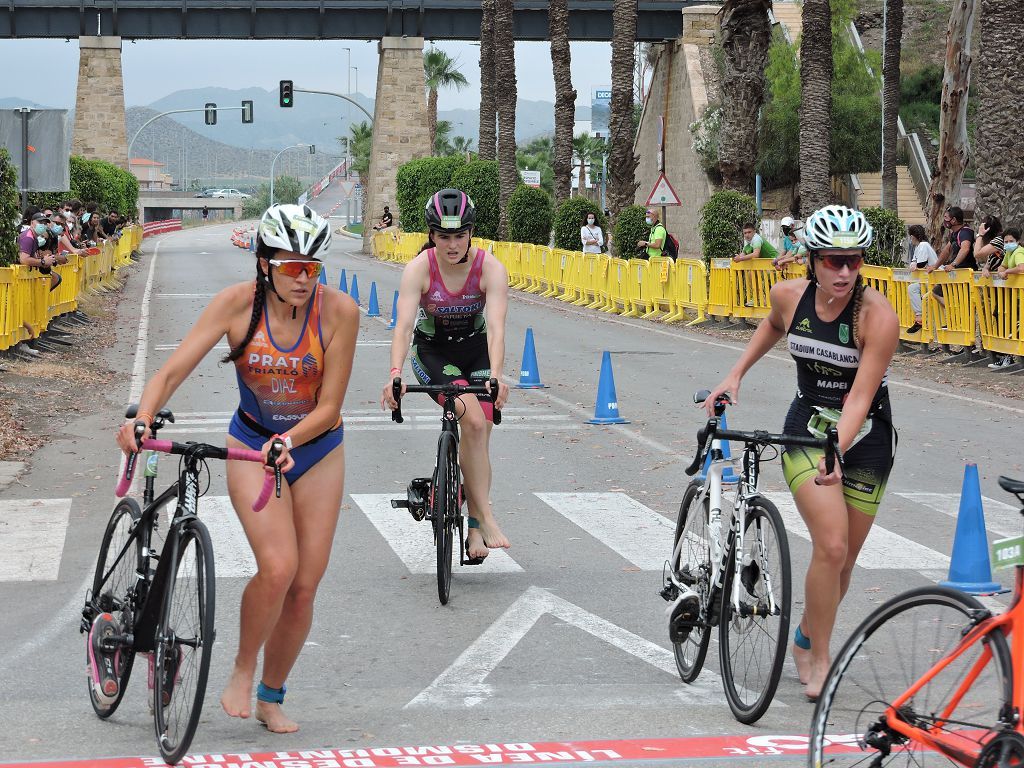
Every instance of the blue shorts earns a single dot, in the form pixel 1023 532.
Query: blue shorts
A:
pixel 305 456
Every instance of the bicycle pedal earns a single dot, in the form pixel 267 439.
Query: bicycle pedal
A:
pixel 399 504
pixel 669 592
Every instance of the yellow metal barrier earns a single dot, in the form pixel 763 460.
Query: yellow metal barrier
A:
pixel 690 291
pixel 953 316
pixel 572 277
pixel 904 283
pixel 1000 305
pixel 657 290
pixel 879 278
pixel 65 298
pixel 589 278
pixel 752 283
pixel 618 275
pixel 720 288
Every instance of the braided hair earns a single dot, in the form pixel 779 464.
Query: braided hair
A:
pixel 259 299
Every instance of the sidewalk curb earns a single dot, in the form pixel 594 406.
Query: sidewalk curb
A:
pixel 9 471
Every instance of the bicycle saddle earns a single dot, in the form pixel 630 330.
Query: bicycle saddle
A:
pixel 1016 487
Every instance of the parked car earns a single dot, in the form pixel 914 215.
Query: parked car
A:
pixel 212 192
pixel 231 193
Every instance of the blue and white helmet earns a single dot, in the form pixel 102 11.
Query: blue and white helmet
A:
pixel 296 228
pixel 836 226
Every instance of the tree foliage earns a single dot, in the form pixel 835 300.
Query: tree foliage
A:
pixel 629 228
pixel 112 187
pixel 10 214
pixel 479 180
pixel 538 155
pixel 721 223
pixel 287 190
pixel 570 217
pixel 529 216
pixel 417 180
pixel 890 230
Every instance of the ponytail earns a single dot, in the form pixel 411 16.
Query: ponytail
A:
pixel 858 301
pixel 259 299
pixel 429 244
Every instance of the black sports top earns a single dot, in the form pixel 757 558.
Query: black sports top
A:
pixel 826 355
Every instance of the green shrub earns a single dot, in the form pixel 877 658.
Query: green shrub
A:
pixel 479 180
pixel 890 232
pixel 570 217
pixel 721 223
pixel 629 227
pixel 111 186
pixel 707 132
pixel 417 180
pixel 10 214
pixel 529 216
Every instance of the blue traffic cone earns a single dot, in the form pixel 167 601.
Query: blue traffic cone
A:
pixel 323 276
pixel 606 411
pixel 354 293
pixel 529 374
pixel 969 567
pixel 374 307
pixel 343 284
pixel 728 476
pixel 394 312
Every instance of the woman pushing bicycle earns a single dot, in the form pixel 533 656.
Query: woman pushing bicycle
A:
pixel 457 335
pixel 842 336
pixel 292 342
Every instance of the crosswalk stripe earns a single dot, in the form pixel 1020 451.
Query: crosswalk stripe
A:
pixel 413 541
pixel 636 532
pixel 32 533
pixel 1000 518
pixel 883 550
pixel 233 555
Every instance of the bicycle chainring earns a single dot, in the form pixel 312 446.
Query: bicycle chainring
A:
pixel 1005 750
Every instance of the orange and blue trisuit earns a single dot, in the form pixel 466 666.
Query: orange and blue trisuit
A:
pixel 279 387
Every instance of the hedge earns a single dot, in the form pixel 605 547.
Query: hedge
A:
pixel 112 187
pixel 529 216
pixel 721 223
pixel 479 180
pixel 10 215
pixel 629 228
pixel 571 215
pixel 890 231
pixel 417 180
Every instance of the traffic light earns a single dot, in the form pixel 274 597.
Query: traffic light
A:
pixel 286 93
pixel 211 113
pixel 246 111
pixel 312 149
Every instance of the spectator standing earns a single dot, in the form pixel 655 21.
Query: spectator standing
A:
pixel 794 246
pixel 957 252
pixel 655 242
pixel 922 257
pixel 206 213
pixel 591 235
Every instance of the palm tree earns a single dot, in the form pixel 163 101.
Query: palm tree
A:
pixel 892 45
pixel 815 105
pixel 505 69
pixel 998 139
pixel 461 145
pixel 360 143
pixel 746 35
pixel 588 150
pixel 488 90
pixel 440 71
pixel 622 162
pixel 565 96
pixel 442 139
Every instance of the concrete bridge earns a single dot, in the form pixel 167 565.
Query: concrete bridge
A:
pixel 157 205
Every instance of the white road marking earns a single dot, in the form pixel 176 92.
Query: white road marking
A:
pixel 413 541
pixel 185 295
pixel 463 684
pixel 1000 518
pixel 638 533
pixel 142 340
pixel 32 533
pixel 233 555
pixel 883 550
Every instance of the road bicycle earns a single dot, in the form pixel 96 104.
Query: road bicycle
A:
pixel 736 577
pixel 931 677
pixel 161 604
pixel 440 498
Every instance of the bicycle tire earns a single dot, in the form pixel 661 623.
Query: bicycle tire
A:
pixel 693 566
pixel 113 591
pixel 740 636
pixel 184 641
pixel 854 674
pixel 445 511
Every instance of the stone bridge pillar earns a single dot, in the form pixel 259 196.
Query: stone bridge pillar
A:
pixel 400 130
pixel 99 109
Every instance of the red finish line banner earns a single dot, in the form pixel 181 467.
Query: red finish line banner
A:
pixel 720 747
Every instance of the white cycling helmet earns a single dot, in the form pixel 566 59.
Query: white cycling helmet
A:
pixel 295 228
pixel 836 226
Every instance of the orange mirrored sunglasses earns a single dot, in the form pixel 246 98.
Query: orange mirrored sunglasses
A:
pixel 295 267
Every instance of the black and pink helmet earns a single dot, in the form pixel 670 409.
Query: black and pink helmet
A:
pixel 450 211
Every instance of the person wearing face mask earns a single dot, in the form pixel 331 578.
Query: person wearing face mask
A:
pixel 794 249
pixel 591 234
pixel 60 231
pixel 1012 263
pixel 655 242
pixel 33 251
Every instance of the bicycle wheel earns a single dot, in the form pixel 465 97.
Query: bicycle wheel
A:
pixel 891 650
pixel 114 592
pixel 184 642
pixel 752 641
pixel 444 510
pixel 693 568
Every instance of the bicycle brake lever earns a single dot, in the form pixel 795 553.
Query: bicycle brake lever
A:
pixel 272 456
pixel 396 391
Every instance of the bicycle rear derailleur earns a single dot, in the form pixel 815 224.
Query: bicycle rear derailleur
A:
pixel 417 497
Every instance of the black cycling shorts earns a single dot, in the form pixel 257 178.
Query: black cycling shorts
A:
pixel 442 362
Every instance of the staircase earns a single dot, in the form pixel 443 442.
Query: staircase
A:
pixel 789 15
pixel 870 194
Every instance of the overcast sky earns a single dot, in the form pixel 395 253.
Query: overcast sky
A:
pixel 153 69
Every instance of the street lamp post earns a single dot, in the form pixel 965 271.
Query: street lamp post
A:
pixel 293 146
pixel 348 109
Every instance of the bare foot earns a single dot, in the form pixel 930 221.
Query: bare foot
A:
pixel 491 533
pixel 817 674
pixel 475 544
pixel 238 694
pixel 802 658
pixel 274 718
